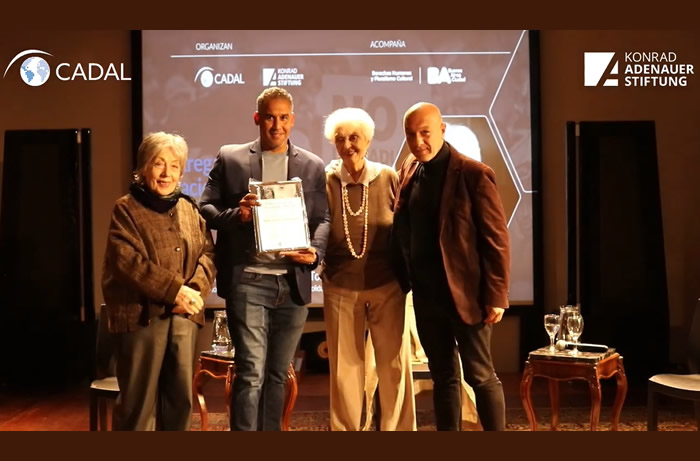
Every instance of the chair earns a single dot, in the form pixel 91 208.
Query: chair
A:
pixel 104 388
pixel 100 390
pixel 680 386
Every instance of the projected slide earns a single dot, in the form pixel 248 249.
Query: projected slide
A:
pixel 204 84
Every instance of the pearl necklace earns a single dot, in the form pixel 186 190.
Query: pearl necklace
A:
pixel 346 209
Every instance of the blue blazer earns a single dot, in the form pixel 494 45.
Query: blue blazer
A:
pixel 235 240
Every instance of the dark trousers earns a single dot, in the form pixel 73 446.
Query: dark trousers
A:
pixel 446 338
pixel 155 367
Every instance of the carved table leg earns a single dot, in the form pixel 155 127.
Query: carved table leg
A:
pixel 554 401
pixel 198 384
pixel 620 394
pixel 525 396
pixel 290 394
pixel 231 372
pixel 594 386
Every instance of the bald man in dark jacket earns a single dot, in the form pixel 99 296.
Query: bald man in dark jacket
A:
pixel 451 247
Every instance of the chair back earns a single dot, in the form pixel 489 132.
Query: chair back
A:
pixel 694 341
pixel 105 359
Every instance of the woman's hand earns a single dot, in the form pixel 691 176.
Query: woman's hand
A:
pixel 245 205
pixel 188 301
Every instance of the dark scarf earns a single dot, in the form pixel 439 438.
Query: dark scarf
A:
pixel 152 201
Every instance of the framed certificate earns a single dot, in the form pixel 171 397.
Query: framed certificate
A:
pixel 280 221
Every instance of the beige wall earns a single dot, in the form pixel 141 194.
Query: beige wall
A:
pixel 105 108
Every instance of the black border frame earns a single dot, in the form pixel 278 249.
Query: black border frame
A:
pixel 136 93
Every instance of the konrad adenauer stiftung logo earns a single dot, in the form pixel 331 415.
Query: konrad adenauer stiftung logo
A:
pixel 282 76
pixel 639 68
pixel 35 71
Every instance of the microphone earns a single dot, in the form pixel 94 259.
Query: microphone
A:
pixel 584 347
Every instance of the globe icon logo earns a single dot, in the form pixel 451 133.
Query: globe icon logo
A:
pixel 207 78
pixel 34 71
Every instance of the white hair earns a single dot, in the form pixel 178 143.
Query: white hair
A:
pixel 152 145
pixel 348 115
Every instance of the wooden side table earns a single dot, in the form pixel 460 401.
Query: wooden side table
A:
pixel 221 365
pixel 560 366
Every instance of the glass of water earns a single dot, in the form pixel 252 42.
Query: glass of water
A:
pixel 574 323
pixel 221 340
pixel 551 324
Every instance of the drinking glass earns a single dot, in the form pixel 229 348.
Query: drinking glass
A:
pixel 221 340
pixel 574 324
pixel 551 324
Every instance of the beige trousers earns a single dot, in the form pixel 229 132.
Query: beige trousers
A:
pixel 348 315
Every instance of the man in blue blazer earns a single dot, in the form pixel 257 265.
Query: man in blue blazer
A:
pixel 265 294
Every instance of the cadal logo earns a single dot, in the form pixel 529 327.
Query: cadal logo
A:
pixel 207 78
pixel 600 67
pixel 35 71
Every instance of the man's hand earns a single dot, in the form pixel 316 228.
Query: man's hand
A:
pixel 493 314
pixel 245 205
pixel 307 256
pixel 188 301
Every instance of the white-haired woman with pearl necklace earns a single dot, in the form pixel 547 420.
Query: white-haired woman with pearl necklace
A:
pixel 360 289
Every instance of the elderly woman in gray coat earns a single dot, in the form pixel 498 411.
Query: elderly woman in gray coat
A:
pixel 158 269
